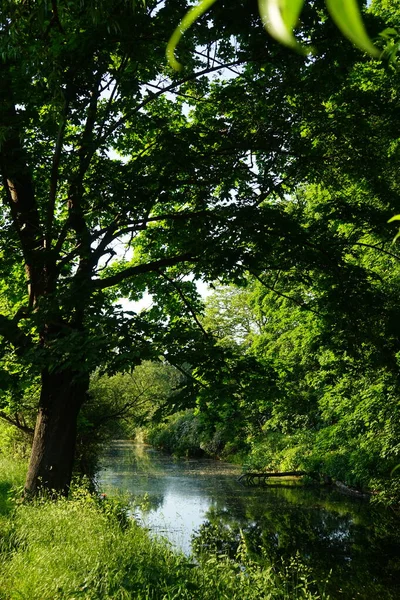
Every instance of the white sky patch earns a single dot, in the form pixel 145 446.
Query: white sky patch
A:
pixel 143 304
pixel 146 302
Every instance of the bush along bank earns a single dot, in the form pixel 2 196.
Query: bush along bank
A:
pixel 358 470
pixel 185 434
pixel 182 434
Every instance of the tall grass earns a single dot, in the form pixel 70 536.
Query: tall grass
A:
pixel 85 547
pixel 12 476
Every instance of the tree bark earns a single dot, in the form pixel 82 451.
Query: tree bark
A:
pixel 53 449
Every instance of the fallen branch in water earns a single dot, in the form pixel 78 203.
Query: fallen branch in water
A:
pixel 249 478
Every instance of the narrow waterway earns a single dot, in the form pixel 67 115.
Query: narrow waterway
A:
pixel 198 503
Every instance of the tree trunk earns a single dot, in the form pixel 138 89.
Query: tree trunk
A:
pixel 53 449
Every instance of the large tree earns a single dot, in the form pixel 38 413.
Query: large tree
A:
pixel 117 177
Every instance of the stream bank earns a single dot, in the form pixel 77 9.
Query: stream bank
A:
pixel 197 504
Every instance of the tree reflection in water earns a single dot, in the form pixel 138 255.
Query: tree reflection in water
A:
pixel 349 543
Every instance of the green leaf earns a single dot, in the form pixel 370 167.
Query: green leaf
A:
pixel 348 18
pixel 394 470
pixel 279 18
pixel 397 236
pixel 191 16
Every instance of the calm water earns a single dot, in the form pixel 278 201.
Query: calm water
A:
pixel 199 501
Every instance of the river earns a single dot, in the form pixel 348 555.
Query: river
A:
pixel 353 544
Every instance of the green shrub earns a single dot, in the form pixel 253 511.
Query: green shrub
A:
pixel 180 435
pixel 275 451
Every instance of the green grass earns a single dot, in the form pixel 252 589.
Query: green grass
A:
pixel 86 548
pixel 12 477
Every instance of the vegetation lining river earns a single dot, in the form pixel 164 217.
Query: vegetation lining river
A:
pixel 200 500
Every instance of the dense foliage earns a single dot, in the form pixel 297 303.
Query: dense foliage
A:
pixel 332 408
pixel 254 167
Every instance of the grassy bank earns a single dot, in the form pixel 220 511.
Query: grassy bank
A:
pixel 87 547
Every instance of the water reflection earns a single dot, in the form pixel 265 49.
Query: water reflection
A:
pixel 201 499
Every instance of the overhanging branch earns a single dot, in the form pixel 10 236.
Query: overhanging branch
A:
pixel 299 303
pixel 391 254
pixel 140 224
pixel 185 301
pixel 101 284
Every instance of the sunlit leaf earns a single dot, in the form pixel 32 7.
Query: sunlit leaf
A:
pixel 279 18
pixel 397 466
pixel 191 16
pixel 397 236
pixel 347 17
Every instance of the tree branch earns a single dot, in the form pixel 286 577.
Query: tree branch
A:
pixel 125 408
pixel 19 186
pixel 121 68
pixel 377 249
pixel 302 305
pixel 185 373
pixel 167 88
pixel 87 148
pixel 185 301
pixel 16 423
pixel 101 284
pixel 111 232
